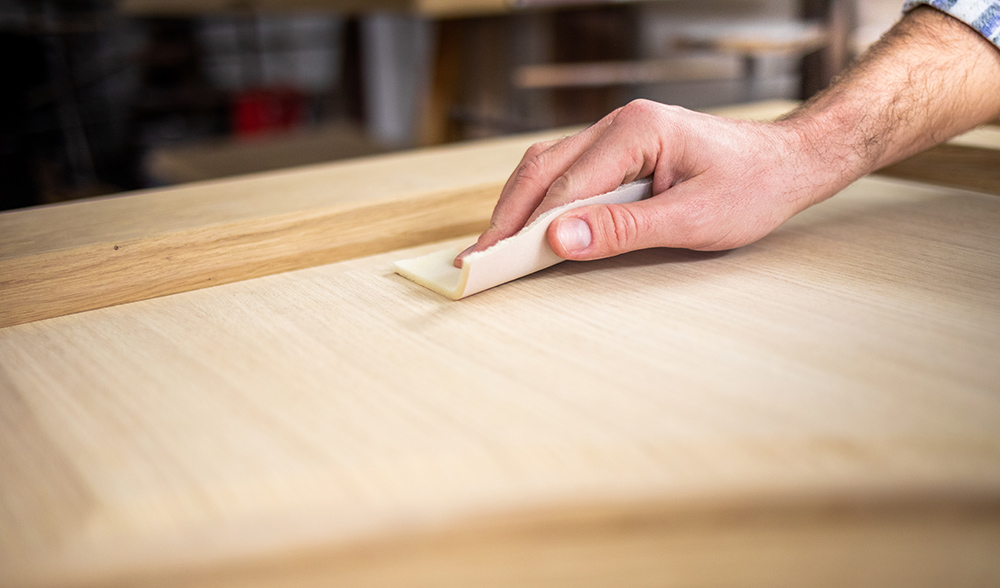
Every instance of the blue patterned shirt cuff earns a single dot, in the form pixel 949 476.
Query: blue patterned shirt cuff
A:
pixel 982 15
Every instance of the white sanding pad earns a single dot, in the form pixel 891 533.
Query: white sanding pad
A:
pixel 519 255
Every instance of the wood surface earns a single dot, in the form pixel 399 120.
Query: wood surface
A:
pixel 970 167
pixel 820 408
pixel 73 257
pixel 80 256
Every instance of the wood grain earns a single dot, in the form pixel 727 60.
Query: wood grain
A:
pixel 961 166
pixel 74 257
pixel 817 409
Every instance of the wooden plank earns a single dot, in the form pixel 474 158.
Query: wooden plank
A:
pixel 79 256
pixel 756 38
pixel 972 168
pixel 73 257
pixel 816 409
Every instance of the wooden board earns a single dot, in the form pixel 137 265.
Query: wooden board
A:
pixel 69 258
pixel 817 409
pixel 964 166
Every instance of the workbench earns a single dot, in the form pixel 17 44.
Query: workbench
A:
pixel 225 384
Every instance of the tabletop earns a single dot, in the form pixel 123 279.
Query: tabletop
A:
pixel 819 408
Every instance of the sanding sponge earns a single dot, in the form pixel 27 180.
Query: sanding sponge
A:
pixel 518 255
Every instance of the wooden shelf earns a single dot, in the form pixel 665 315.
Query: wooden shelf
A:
pixel 433 8
pixel 208 160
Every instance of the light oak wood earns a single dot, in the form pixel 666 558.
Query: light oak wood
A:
pixel 817 409
pixel 973 168
pixel 73 257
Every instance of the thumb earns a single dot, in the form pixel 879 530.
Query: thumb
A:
pixel 603 230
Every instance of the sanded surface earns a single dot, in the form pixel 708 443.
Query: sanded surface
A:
pixel 68 258
pixel 671 417
pixel 72 257
pixel 79 256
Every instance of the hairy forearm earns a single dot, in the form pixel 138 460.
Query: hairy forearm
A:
pixel 930 78
pixel 720 183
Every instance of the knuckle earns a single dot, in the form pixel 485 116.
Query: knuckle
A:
pixel 622 228
pixel 536 160
pixel 636 164
pixel 560 187
pixel 641 109
pixel 532 170
pixel 651 114
pixel 537 149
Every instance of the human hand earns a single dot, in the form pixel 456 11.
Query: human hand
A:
pixel 717 183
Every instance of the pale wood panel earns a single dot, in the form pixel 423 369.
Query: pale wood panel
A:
pixel 820 408
pixel 79 256
pixel 197 205
pixel 68 258
pixel 972 168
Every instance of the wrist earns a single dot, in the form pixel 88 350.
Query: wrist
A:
pixel 826 154
pixel 928 79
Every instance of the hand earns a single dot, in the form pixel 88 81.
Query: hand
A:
pixel 717 183
pixel 720 184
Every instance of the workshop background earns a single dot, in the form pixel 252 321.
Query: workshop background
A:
pixel 102 97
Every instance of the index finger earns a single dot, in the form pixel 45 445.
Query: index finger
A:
pixel 528 185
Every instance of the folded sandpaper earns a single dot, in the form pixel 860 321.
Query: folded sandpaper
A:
pixel 521 254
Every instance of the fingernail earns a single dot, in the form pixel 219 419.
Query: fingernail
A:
pixel 573 234
pixel 458 260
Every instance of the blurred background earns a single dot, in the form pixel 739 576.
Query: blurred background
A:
pixel 102 96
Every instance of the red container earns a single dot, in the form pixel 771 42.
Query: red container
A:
pixel 267 110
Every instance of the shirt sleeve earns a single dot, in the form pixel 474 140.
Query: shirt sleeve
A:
pixel 982 15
